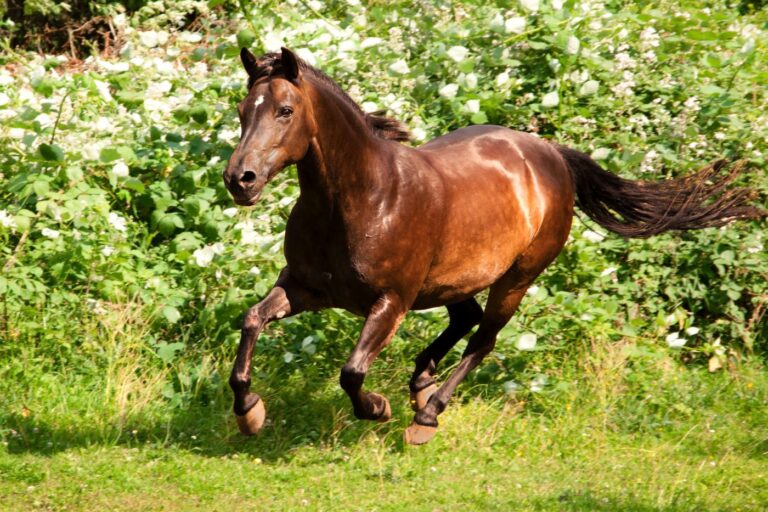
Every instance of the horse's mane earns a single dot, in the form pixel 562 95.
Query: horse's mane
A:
pixel 383 127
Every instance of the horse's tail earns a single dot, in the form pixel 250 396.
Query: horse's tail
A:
pixel 640 209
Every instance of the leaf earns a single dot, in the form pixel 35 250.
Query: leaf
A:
pixel 479 118
pixel 51 152
pixel 167 351
pixel 171 314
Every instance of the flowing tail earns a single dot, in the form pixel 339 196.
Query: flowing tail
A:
pixel 639 209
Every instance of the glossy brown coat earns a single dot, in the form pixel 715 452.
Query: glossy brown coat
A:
pixel 381 228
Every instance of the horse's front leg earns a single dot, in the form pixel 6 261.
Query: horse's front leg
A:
pixel 380 325
pixel 285 299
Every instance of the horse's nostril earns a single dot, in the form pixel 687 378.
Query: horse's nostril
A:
pixel 248 177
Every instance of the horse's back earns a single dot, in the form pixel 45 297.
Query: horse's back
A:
pixel 501 188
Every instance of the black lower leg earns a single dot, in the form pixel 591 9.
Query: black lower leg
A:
pixel 462 318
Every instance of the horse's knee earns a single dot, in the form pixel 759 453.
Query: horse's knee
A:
pixel 252 321
pixel 351 378
pixel 239 383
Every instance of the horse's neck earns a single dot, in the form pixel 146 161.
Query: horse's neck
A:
pixel 342 162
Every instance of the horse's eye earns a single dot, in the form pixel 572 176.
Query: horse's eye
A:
pixel 285 112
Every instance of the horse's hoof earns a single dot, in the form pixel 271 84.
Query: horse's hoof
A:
pixel 386 412
pixel 419 434
pixel 252 421
pixel 420 398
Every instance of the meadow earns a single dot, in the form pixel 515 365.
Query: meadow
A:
pixel 632 378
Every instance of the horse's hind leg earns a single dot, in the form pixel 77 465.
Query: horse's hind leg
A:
pixel 502 303
pixel 463 316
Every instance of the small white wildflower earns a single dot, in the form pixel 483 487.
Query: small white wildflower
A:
pixel 218 248
pixel 107 250
pixel 608 271
pixel 399 67
pixel 120 170
pixel 6 220
pixel 44 120
pixel 4 99
pixel 526 342
pixel 557 4
pixel 719 135
pixel 103 90
pixel 538 383
pixel 370 42
pixel 555 65
pixel 532 290
pixel 449 91
pixel 674 340
pixel 203 256
pixel 502 78
pixel 307 56
pixel 148 38
pixel 254 271
pixel 511 387
pixel 468 81
pixel 692 331
pixel 419 133
pixel 515 25
pixel 457 53
pixel 589 88
pixel 600 154
pixel 573 45
pixel 472 106
pixel 692 103
pixel 230 212
pixel 551 99
pixel 592 236
pixel 117 222
pixel 530 5
pixel 50 233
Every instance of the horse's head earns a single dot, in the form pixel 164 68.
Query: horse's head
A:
pixel 276 124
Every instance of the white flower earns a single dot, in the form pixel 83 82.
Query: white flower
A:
pixel 502 78
pixel 230 212
pixel 533 290
pixel 44 120
pixel 554 65
pixel 692 331
pixel 557 4
pixel 6 220
pixel 592 236
pixel 608 271
pixel 692 103
pixel 472 106
pixel 399 67
pixel 50 233
pixel 572 46
pixel 600 154
pixel 254 271
pixel 510 387
pixel 204 256
pixel 468 81
pixel 551 99
pixel 190 37
pixel 107 250
pixel 457 53
pixel 589 88
pixel 149 38
pixel 227 135
pixel 675 341
pixel 515 25
pixel 16 133
pixel 530 5
pixel 4 99
pixel 370 106
pixel 526 342
pixel 538 383
pixel 307 56
pixel 370 42
pixel 449 91
pixel 117 222
pixel 120 170
pixel 419 133
pixel 103 90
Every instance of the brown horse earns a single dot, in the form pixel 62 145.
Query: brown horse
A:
pixel 381 228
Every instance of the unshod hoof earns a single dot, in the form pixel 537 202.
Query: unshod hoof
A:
pixel 252 421
pixel 419 434
pixel 420 398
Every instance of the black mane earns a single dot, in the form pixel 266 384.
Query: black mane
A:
pixel 383 127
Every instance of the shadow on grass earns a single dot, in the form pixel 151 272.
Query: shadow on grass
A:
pixel 302 413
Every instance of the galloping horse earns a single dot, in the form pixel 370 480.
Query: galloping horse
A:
pixel 381 228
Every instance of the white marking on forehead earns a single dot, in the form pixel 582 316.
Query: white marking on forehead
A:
pixel 258 101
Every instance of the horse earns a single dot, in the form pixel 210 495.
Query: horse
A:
pixel 381 228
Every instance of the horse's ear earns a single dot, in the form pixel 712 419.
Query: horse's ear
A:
pixel 290 64
pixel 249 61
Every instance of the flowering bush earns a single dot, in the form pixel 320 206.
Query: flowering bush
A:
pixel 110 188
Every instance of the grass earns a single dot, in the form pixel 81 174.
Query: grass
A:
pixel 619 428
